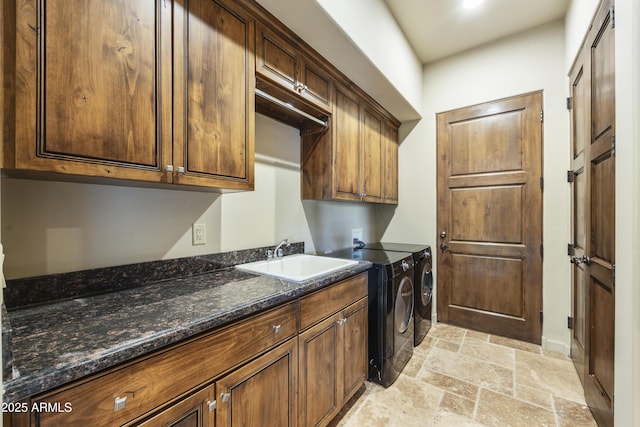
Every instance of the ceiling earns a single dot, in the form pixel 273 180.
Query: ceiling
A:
pixel 440 28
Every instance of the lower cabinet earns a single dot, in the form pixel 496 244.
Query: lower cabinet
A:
pixel 296 364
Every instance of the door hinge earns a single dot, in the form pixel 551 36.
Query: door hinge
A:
pixel 571 177
pixel 542 115
pixel 541 317
pixel 570 322
pixel 569 103
pixel 613 275
pixel 612 13
pixel 542 183
pixel 571 250
pixel 613 146
pixel 541 250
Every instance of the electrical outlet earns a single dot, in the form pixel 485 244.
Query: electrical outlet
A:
pixel 356 234
pixel 199 234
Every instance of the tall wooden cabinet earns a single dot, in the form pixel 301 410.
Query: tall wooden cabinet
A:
pixel 97 95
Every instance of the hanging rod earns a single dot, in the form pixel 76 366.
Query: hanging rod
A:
pixel 288 106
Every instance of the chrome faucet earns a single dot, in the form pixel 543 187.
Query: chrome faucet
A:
pixel 278 250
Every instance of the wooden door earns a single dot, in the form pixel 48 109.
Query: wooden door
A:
pixel 490 217
pixel 316 84
pixel 578 175
pixel 600 252
pixel 371 166
pixel 277 59
pixel 196 410
pixel 93 88
pixel 319 400
pixel 214 98
pixel 390 163
pixel 353 351
pixel 346 128
pixel 261 393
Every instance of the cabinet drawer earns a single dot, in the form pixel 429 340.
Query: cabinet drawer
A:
pixel 325 302
pixel 153 381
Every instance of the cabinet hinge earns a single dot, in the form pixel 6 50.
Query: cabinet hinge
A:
pixel 570 322
pixel 569 103
pixel 613 145
pixel 542 115
pixel 541 317
pixel 571 177
pixel 542 183
pixel 612 18
pixel 571 250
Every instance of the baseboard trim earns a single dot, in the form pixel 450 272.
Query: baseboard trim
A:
pixel 557 346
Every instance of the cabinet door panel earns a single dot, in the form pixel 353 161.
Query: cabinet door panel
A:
pixel 346 124
pixel 277 59
pixel 262 392
pixel 372 155
pixel 390 163
pixel 193 411
pixel 354 350
pixel 319 361
pixel 317 84
pixel 108 53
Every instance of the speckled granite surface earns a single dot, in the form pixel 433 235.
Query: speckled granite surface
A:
pixel 60 342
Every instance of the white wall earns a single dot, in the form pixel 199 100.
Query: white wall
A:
pixel 577 20
pixel 52 227
pixel 527 62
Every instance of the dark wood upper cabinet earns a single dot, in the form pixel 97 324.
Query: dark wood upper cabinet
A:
pixel 281 62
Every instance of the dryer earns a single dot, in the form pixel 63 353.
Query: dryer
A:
pixel 423 283
pixel 391 308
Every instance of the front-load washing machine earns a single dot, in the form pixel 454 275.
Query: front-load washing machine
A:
pixel 423 283
pixel 391 302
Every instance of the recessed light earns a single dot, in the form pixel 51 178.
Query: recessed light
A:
pixel 470 4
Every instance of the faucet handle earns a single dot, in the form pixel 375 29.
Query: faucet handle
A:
pixel 269 254
pixel 279 253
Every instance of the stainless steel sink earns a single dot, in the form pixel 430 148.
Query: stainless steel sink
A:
pixel 297 268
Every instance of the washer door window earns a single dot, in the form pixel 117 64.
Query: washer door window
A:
pixel 426 287
pixel 404 305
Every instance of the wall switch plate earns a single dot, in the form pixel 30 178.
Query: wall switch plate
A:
pixel 199 234
pixel 356 234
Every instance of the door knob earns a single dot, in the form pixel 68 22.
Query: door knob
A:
pixel 443 234
pixel 443 247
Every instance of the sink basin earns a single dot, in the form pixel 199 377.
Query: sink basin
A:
pixel 297 268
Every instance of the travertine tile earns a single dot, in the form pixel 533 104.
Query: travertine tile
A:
pixel 518 345
pixel 549 374
pixel 471 370
pixel 447 332
pixel 408 395
pixel 480 336
pixel 450 384
pixel 500 355
pixel 446 418
pixel 534 395
pixel 572 414
pixel 372 414
pixel 496 409
pixel 555 354
pixel 415 364
pixel 448 345
pixel 425 346
pixel 454 403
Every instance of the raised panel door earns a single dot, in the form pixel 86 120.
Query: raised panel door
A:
pixel 390 163
pixel 347 148
pixel 196 410
pixel 277 58
pixel 69 77
pixel 353 351
pixel 316 84
pixel 372 164
pixel 214 94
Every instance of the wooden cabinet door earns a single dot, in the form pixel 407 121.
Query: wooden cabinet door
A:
pixel 353 351
pixel 93 88
pixel 319 360
pixel 214 87
pixel 277 59
pixel 315 84
pixel 261 393
pixel 389 163
pixel 371 164
pixel 196 410
pixel 347 150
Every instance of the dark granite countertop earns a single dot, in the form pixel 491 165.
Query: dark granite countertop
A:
pixel 53 344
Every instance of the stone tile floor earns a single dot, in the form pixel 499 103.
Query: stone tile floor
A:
pixel 458 377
